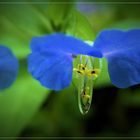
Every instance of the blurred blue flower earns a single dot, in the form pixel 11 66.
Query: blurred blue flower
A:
pixel 51 58
pixel 8 67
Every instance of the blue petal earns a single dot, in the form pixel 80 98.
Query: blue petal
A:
pixel 8 67
pixel 122 50
pixel 54 71
pixel 62 43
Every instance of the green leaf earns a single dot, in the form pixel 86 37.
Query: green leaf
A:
pixel 19 23
pixel 19 47
pixel 103 80
pixel 127 24
pixel 59 14
pixel 80 27
pixel 20 103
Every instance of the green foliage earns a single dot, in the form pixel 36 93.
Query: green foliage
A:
pixel 80 27
pixel 103 80
pixel 19 103
pixel 17 28
pixel 59 14
pixel 58 117
pixel 127 24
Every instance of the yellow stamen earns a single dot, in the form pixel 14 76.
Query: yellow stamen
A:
pixel 83 70
pixel 85 96
pixel 94 72
pixel 85 99
pixel 79 71
pixel 81 67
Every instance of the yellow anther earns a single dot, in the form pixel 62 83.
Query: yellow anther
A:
pixel 85 99
pixel 79 71
pixel 82 69
pixel 94 72
pixel 97 71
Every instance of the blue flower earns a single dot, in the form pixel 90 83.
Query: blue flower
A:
pixel 122 50
pixel 8 67
pixel 51 58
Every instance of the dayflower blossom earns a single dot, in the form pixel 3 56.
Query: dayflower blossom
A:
pixel 8 67
pixel 122 50
pixel 51 58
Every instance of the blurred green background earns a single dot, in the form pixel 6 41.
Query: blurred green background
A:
pixel 29 110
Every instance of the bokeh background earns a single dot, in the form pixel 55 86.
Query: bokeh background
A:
pixel 29 110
